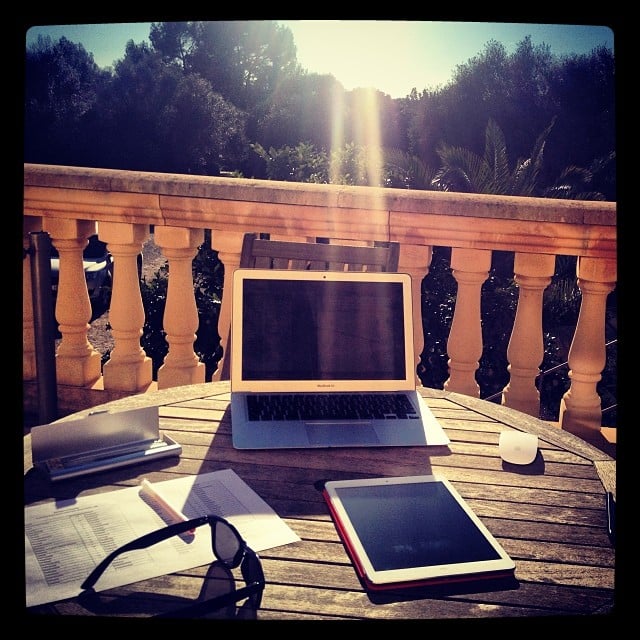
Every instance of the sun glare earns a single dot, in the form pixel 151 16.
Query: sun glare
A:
pixel 337 134
pixel 366 119
pixel 367 133
pixel 362 50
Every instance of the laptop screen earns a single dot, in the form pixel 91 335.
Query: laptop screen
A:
pixel 321 330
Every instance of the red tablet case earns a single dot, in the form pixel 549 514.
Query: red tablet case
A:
pixel 403 585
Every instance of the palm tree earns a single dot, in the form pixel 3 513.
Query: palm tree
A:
pixel 464 171
pixel 576 183
pixel 406 171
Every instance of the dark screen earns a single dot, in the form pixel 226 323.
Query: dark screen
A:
pixel 413 525
pixel 322 330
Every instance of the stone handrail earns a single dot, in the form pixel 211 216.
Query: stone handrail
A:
pixel 72 203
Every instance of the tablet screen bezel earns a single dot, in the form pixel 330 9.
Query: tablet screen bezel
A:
pixel 448 524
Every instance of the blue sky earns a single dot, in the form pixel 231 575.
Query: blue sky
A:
pixel 392 56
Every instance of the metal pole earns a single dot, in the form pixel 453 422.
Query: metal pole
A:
pixel 44 325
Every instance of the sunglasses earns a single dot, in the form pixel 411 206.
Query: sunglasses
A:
pixel 229 548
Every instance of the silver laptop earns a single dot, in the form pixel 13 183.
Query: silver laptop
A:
pixel 325 359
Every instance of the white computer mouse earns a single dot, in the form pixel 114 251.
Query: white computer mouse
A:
pixel 518 447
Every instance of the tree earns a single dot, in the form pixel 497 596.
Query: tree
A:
pixel 204 132
pixel 125 123
pixel 62 85
pixel 464 171
pixel 372 118
pixel 153 117
pixel 300 109
pixel 583 88
pixel 523 91
pixel 472 98
pixel 579 183
pixel 242 59
pixel 302 163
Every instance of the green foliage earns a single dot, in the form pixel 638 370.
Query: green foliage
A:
pixel 592 183
pixel 302 163
pixel 155 118
pixel 154 299
pixel 464 171
pixel 62 85
pixel 198 97
pixel 438 302
pixel 299 109
pixel 208 280
pixel 499 300
pixel 561 299
pixel 523 92
pixel 242 59
pixel 350 164
pixel 406 171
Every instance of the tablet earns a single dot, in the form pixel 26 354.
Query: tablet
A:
pixel 412 531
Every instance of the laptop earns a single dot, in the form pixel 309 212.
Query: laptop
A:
pixel 325 359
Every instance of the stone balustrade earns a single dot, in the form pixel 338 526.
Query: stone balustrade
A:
pixel 72 203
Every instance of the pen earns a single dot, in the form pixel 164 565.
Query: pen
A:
pixel 611 517
pixel 149 491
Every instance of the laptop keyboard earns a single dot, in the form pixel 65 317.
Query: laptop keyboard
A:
pixel 330 406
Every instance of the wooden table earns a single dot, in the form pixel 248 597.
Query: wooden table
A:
pixel 549 516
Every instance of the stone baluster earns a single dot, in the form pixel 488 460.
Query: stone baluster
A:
pixel 228 244
pixel 526 347
pixel 416 260
pixel 181 365
pixel 580 408
pixel 128 368
pixel 470 268
pixel 77 362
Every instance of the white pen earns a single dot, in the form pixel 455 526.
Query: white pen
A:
pixel 147 489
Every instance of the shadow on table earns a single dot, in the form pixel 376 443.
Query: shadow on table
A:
pixel 218 582
pixel 443 590
pixel 535 468
pixel 38 485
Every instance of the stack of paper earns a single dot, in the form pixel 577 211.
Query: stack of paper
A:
pixel 65 540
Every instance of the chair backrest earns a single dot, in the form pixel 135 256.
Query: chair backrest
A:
pixel 260 252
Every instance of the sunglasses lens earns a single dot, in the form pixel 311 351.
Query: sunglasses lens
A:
pixel 226 544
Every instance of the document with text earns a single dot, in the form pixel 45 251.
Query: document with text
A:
pixel 65 540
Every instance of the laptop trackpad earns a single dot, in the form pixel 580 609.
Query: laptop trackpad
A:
pixel 345 435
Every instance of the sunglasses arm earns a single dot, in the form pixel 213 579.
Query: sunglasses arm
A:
pixel 141 543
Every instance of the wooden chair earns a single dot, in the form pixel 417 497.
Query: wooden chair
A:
pixel 260 252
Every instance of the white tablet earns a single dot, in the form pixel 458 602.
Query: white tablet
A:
pixel 411 531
